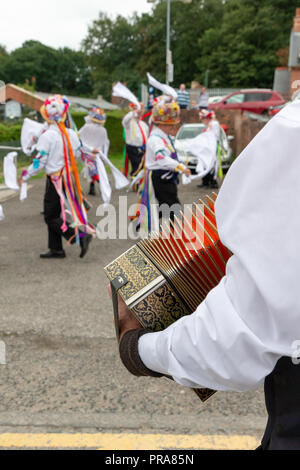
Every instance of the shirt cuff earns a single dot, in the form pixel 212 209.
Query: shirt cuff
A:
pixel 25 175
pixel 129 354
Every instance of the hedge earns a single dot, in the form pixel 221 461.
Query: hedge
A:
pixel 12 133
pixel 113 126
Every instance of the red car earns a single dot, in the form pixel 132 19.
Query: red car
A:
pixel 254 101
pixel 275 110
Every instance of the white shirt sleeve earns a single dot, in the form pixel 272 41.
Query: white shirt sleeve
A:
pixel 214 347
pixel 39 161
pixel 127 119
pixel 160 155
pixel 251 319
pixel 75 142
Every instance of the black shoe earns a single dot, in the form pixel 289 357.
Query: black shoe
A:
pixel 214 185
pixel 92 190
pixel 84 243
pixel 53 254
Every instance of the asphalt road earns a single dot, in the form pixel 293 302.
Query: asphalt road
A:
pixel 62 371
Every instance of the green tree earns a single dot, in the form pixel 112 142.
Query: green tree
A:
pixel 73 76
pixel 126 49
pixel 54 71
pixel 111 52
pixel 242 51
pixel 33 59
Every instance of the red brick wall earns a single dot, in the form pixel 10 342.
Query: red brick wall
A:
pixel 22 96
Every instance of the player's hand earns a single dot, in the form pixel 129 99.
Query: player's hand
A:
pixel 127 320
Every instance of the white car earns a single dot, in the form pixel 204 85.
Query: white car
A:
pixel 189 131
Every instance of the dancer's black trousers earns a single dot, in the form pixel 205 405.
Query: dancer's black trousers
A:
pixel 166 193
pixel 52 215
pixel 135 155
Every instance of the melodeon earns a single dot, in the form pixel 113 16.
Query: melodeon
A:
pixel 166 276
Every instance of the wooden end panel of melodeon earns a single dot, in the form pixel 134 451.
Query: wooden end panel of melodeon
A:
pixel 145 290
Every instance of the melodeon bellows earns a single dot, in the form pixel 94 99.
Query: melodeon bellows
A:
pixel 167 275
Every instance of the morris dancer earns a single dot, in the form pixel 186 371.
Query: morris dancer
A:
pixel 94 138
pixel 208 119
pixel 136 134
pixel 246 332
pixel 161 161
pixel 57 148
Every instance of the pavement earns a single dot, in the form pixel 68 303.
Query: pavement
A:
pixel 62 384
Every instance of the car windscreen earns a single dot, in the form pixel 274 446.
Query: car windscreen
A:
pixel 189 132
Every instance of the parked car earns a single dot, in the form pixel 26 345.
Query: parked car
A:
pixel 253 100
pixel 189 131
pixel 275 109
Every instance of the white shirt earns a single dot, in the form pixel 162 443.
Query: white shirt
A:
pixel 252 318
pixel 51 153
pixel 158 151
pixel 133 125
pixel 94 136
pixel 214 126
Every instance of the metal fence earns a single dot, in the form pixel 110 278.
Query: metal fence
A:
pixel 6 147
pixel 221 91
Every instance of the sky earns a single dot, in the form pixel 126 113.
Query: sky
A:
pixel 58 23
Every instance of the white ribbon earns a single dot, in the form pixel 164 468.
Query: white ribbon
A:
pixel 30 133
pixel 166 89
pixel 10 171
pixel 204 147
pixel 23 191
pixel 104 184
pixel 119 179
pixel 122 91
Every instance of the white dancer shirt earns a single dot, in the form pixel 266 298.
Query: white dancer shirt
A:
pixel 251 319
pixel 214 126
pixel 51 153
pixel 133 126
pixel 94 136
pixel 158 152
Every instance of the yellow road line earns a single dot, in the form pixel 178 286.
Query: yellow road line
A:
pixel 128 441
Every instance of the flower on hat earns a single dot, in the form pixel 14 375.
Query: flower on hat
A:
pixel 55 108
pixel 205 114
pixel 97 115
pixel 165 111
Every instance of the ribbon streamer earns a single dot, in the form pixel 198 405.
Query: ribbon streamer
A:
pixel 10 171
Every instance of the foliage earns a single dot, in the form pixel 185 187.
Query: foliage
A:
pixel 243 49
pixel 236 40
pixel 10 133
pixel 240 42
pixel 49 70
pixel 113 126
